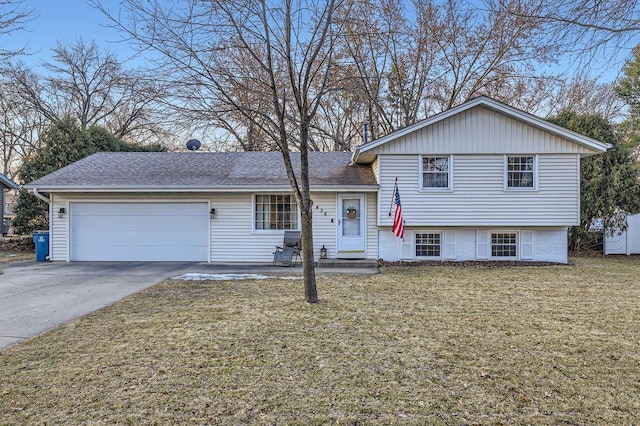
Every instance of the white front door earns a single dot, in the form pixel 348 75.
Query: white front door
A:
pixel 351 226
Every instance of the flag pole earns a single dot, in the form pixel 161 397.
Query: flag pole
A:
pixel 393 195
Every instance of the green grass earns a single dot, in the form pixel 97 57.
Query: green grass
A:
pixel 413 345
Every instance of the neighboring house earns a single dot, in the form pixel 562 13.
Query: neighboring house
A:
pixel 624 242
pixel 5 184
pixel 480 181
pixel 10 198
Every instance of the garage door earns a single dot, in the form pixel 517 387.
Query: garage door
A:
pixel 139 231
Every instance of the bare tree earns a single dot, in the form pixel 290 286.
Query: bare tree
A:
pixel 585 95
pixel 586 26
pixel 488 50
pixel 90 85
pixel 14 16
pixel 388 60
pixel 241 63
pixel 407 61
pixel 20 128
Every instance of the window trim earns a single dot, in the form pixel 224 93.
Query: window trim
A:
pixel 505 182
pixel 517 245
pixel 449 187
pixel 415 244
pixel 272 231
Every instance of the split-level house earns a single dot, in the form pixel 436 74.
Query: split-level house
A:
pixel 480 181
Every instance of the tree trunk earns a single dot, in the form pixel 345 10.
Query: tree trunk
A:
pixel 308 263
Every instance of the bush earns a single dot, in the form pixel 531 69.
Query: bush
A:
pixel 18 243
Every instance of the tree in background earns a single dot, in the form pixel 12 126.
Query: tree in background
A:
pixel 393 63
pixel 90 85
pixel 628 89
pixel 405 61
pixel 586 26
pixel 20 127
pixel 62 144
pixel 13 17
pixel 610 182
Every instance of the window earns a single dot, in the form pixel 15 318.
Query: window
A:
pixel 428 244
pixel 520 171
pixel 504 244
pixel 276 212
pixel 435 172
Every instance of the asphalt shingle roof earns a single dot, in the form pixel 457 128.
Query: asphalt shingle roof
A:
pixel 202 169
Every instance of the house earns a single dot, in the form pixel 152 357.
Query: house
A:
pixel 5 185
pixel 627 241
pixel 479 181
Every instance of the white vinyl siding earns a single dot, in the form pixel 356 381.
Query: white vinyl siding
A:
pixel 233 238
pixel 324 224
pixel 371 200
pixel 479 198
pixel 58 230
pixel 479 130
pixel 376 170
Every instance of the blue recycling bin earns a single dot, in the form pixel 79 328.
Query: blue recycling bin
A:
pixel 41 240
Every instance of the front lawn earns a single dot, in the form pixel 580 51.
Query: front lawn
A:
pixel 16 256
pixel 413 345
pixel 16 249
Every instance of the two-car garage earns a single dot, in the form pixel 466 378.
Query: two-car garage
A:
pixel 139 231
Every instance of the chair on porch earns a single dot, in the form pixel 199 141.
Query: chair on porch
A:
pixel 289 253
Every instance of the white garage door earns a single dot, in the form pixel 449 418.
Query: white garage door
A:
pixel 139 231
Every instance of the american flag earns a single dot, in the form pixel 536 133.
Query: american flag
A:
pixel 398 222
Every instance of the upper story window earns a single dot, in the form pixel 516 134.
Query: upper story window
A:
pixel 436 172
pixel 276 212
pixel 521 171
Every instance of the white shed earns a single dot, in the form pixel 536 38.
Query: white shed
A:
pixel 625 242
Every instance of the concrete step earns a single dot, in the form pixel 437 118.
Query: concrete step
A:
pixel 348 263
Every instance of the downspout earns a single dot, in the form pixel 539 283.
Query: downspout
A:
pixel 39 195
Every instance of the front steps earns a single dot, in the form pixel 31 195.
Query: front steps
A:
pixel 347 263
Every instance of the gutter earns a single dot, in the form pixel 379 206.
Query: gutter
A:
pixel 35 192
pixel 354 157
pixel 207 190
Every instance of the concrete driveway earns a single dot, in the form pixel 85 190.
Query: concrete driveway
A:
pixel 35 297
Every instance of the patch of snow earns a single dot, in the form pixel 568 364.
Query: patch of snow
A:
pixel 226 277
